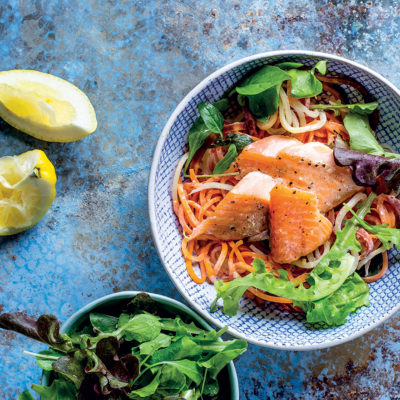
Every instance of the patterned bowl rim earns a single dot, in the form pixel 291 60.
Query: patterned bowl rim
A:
pixel 152 178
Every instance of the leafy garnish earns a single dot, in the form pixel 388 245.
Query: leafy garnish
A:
pixel 324 279
pixel 138 354
pixel 304 83
pixel 26 395
pixel 289 65
pixel 359 108
pixel 265 104
pixel 361 137
pixel 213 119
pixel 368 168
pixel 333 309
pixel 240 140
pixel 201 130
pixel 265 78
pixel 388 236
pixel 226 162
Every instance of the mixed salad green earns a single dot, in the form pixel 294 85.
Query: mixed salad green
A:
pixel 141 353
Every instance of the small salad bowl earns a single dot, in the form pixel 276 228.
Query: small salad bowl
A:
pixel 117 301
pixel 270 326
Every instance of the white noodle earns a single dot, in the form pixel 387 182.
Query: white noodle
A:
pixel 298 105
pixel 356 256
pixel 367 267
pixel 311 261
pixel 177 174
pixel 343 211
pixel 211 185
pixel 371 256
pixel 285 116
pixel 258 251
pixel 300 113
pixel 269 124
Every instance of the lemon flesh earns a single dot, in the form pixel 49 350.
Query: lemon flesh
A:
pixel 27 189
pixel 45 106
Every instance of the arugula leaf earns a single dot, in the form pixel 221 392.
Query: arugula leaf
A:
pixel 289 65
pixel 265 78
pixel 103 322
pixel 172 379
pixel 324 279
pixel 361 137
pixel 259 266
pixel 212 118
pixel 159 342
pixel 187 367
pixel 215 364
pixel 58 390
pixel 334 309
pixel 184 347
pixel 226 162
pixel 26 395
pixel 177 325
pixel 304 83
pixel 264 104
pixel 240 140
pixel 148 390
pixel 388 236
pixel 359 108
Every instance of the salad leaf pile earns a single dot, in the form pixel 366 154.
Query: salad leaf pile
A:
pixel 139 354
pixel 334 288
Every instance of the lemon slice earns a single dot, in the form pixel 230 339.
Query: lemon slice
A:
pixel 45 106
pixel 27 189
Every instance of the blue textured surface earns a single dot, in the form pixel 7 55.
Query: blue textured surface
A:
pixel 136 60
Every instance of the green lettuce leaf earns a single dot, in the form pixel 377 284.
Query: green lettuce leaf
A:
pixel 333 310
pixel 58 390
pixel 324 279
pixel 359 108
pixel 361 137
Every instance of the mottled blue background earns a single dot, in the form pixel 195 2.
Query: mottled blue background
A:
pixel 136 60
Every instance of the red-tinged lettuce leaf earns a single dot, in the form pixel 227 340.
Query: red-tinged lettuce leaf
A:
pixel 367 168
pixel 45 329
pixel 143 302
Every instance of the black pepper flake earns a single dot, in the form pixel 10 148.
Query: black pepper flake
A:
pixel 232 228
pixel 279 158
pixel 233 202
pixel 302 159
pixel 323 165
pixel 309 163
pixel 295 172
pixel 308 187
pixel 290 183
pixel 306 203
pixel 316 165
pixel 294 192
pixel 340 190
pixel 319 221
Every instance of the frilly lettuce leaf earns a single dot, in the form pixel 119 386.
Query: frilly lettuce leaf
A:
pixel 327 277
pixel 333 310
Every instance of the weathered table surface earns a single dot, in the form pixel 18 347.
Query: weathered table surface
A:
pixel 136 60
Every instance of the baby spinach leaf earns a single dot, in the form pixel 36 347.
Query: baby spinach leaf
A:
pixel 388 236
pixel 58 390
pixel 324 279
pixel 212 118
pixel 175 325
pixel 142 328
pixel 226 162
pixel 304 83
pixel 334 309
pixel 361 136
pixel 161 341
pixel 26 395
pixel 368 168
pixel 265 78
pixel 264 104
pixel 188 368
pixel 289 65
pixel 171 378
pixel 102 322
pixel 358 108
pixel 238 139
pixel 222 104
pixel 46 363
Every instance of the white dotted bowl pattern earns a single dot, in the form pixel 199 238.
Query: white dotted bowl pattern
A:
pixel 270 327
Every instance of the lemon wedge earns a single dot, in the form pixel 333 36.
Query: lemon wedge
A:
pixel 27 189
pixel 45 106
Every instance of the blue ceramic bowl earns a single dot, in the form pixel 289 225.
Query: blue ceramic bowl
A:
pixel 270 326
pixel 118 300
